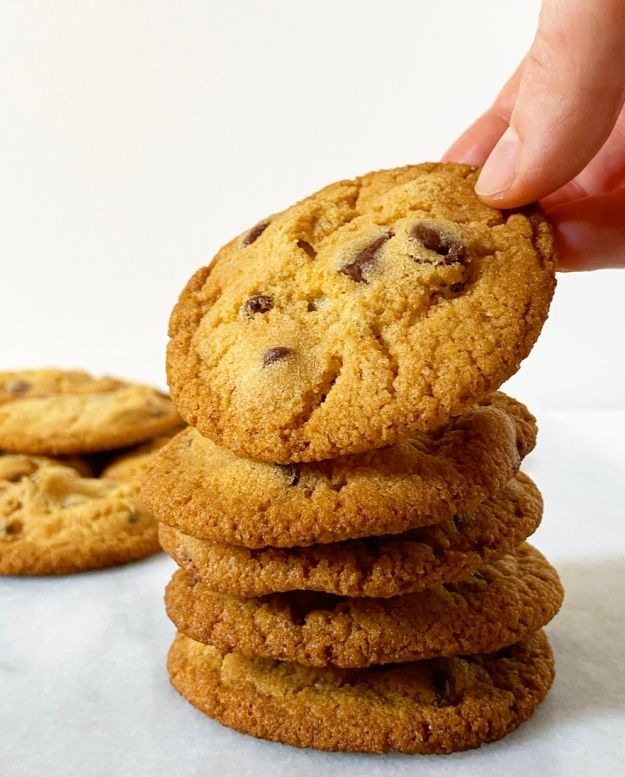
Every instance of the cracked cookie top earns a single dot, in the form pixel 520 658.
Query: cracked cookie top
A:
pixel 373 309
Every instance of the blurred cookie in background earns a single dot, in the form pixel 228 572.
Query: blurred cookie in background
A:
pixel 66 412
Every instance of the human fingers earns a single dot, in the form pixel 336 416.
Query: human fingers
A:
pixel 571 90
pixel 590 232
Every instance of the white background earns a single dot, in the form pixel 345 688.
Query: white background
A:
pixel 136 138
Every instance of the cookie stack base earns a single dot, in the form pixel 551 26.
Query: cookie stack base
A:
pixel 436 706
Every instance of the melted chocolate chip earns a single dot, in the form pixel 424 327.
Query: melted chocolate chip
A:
pixel 364 261
pixel 353 271
pixel 133 518
pixel 18 388
pixel 444 687
pixel 459 522
pixel 290 472
pixel 307 248
pixel 255 233
pixel 276 355
pixel 260 303
pixel 13 528
pixel 451 249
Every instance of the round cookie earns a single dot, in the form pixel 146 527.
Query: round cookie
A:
pixel 377 566
pixel 135 463
pixel 53 521
pixel 212 494
pixel 67 412
pixel 371 310
pixel 437 706
pixel 498 605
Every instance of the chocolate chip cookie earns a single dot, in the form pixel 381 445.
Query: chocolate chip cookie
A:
pixel 373 309
pixel 68 412
pixel 53 521
pixel 376 566
pixel 210 493
pixel 437 706
pixel 500 604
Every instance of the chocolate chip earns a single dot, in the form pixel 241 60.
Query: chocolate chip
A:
pixel 451 249
pixel 316 303
pixel 457 287
pixel 260 303
pixel 354 271
pixel 444 687
pixel 459 522
pixel 290 472
pixel 15 527
pixel 276 355
pixel 364 261
pixel 307 248
pixel 18 388
pixel 255 233
pixel 133 518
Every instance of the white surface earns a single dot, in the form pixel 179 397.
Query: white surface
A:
pixel 84 690
pixel 136 137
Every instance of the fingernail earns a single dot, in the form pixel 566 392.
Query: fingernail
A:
pixel 498 172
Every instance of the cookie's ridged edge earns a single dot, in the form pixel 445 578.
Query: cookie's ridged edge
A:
pixel 307 720
pixel 356 633
pixel 331 569
pixel 199 508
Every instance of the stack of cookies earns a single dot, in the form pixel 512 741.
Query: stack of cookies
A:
pixel 70 470
pixel 346 507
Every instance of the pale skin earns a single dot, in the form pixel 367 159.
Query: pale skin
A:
pixel 556 132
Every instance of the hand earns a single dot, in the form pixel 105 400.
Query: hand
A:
pixel 556 132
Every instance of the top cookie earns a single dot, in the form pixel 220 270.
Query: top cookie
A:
pixel 67 412
pixel 375 308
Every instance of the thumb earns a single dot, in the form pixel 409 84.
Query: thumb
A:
pixel 571 91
